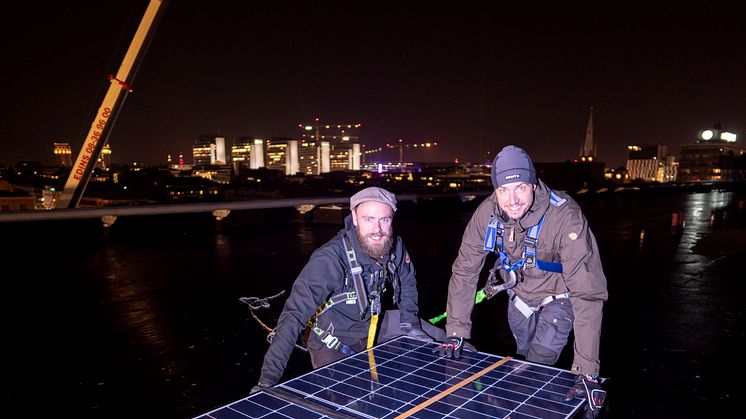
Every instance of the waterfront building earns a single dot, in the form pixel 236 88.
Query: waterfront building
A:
pixel 650 163
pixel 713 156
pixel 219 173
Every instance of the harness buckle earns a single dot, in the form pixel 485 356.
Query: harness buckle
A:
pixel 530 262
pixel 330 341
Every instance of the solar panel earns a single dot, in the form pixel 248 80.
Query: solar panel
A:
pixel 403 378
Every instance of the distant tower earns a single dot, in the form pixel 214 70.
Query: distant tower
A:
pixel 588 149
pixel 104 159
pixel 63 154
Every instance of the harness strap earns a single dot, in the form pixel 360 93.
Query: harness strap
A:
pixel 528 310
pixel 347 297
pixel 357 278
pixel 372 330
pixel 493 242
pixel 529 252
pixel 331 341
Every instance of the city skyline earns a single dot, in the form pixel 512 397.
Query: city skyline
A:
pixel 473 77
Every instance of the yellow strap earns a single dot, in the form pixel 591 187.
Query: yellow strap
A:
pixel 372 365
pixel 371 341
pixel 451 389
pixel 372 330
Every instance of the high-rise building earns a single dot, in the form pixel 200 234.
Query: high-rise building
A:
pixel 309 155
pixel 282 154
pixel 713 156
pixel 329 147
pixel 241 153
pixel 256 155
pixel 209 149
pixel 63 154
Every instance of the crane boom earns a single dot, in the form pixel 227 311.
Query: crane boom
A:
pixel 106 116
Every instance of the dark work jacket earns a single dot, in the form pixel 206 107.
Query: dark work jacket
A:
pixel 326 275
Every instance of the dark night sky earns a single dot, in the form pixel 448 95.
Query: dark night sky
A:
pixel 471 75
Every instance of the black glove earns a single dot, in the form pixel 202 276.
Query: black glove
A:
pixel 451 347
pixel 415 332
pixel 586 386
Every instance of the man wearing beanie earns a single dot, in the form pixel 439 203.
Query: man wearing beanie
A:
pixel 549 263
pixel 338 293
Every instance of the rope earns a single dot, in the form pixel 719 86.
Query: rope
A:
pixel 256 303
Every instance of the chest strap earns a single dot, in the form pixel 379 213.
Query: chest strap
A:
pixel 357 278
pixel 494 242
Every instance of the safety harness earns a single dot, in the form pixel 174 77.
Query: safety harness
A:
pixel 366 301
pixel 494 242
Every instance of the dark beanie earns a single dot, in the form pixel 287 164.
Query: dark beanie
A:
pixel 512 164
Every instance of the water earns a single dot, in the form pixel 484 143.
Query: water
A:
pixel 144 321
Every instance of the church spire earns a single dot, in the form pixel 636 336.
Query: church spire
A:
pixel 588 148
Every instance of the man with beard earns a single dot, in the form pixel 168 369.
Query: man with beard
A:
pixel 548 259
pixel 338 294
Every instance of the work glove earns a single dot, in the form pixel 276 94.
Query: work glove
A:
pixel 451 347
pixel 587 386
pixel 258 387
pixel 415 332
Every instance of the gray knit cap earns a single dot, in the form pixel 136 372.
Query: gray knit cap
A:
pixel 512 164
pixel 373 193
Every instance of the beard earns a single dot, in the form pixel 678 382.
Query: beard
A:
pixel 376 250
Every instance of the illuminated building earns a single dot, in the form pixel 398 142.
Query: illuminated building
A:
pixel 329 147
pixel 309 156
pixel 256 155
pixel 282 154
pixel 209 149
pixel 104 159
pixel 650 163
pixel 714 156
pixel 241 153
pixel 63 154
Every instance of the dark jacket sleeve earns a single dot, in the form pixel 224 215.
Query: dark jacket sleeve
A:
pixel 313 286
pixel 408 303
